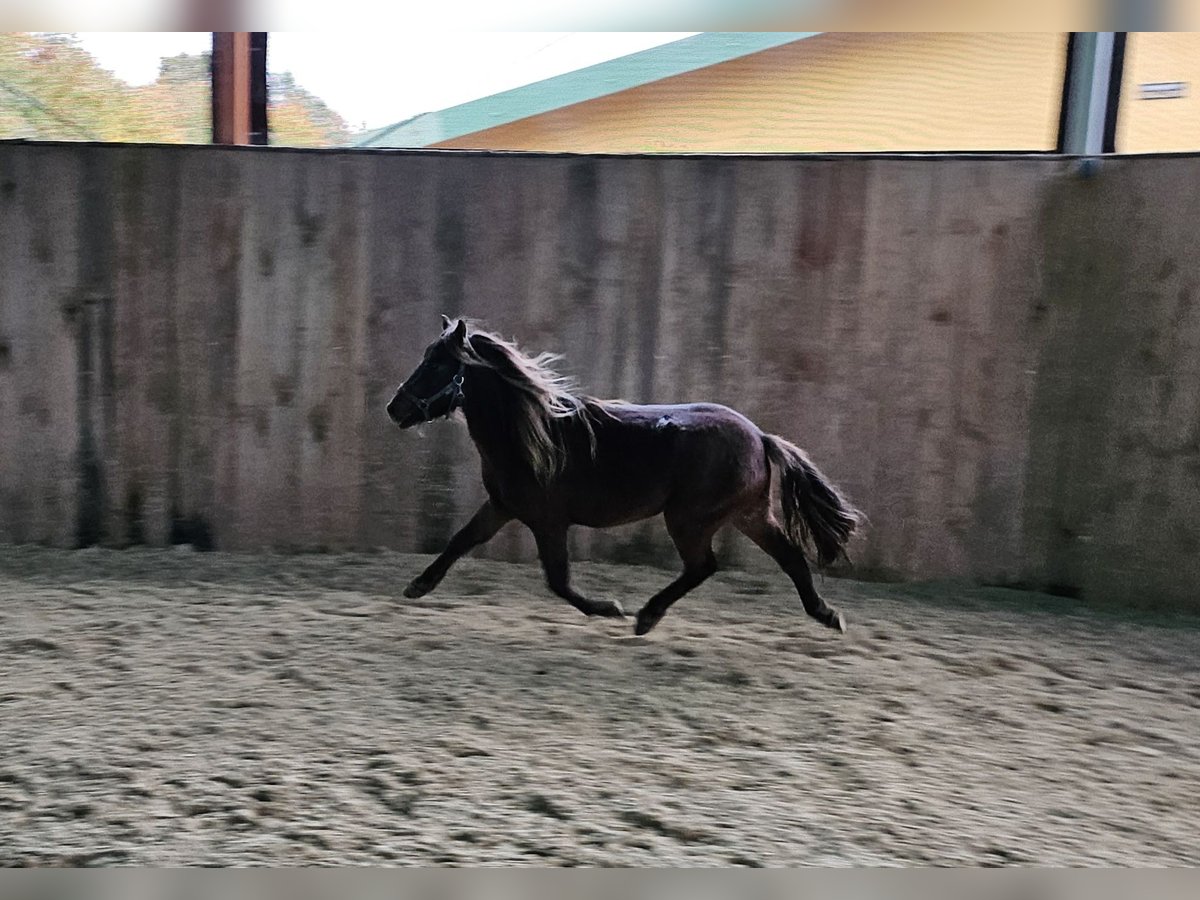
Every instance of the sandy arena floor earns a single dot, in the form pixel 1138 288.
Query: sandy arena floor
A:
pixel 169 707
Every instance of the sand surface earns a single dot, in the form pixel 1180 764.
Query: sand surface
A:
pixel 172 707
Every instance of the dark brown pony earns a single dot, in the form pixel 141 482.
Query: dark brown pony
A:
pixel 553 459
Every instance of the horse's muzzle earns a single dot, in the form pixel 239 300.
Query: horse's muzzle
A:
pixel 401 411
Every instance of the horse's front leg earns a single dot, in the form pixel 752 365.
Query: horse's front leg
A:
pixel 552 550
pixel 482 527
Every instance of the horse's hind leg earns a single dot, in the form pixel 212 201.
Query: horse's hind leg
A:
pixel 765 531
pixel 693 540
pixel 552 550
pixel 482 527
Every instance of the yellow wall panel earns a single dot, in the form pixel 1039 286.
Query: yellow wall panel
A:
pixel 1147 126
pixel 834 92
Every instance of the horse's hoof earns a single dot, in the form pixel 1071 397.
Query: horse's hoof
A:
pixel 417 589
pixel 837 621
pixel 607 609
pixel 645 624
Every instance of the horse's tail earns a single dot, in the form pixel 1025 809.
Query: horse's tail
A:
pixel 814 510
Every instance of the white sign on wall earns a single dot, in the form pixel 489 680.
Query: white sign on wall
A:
pixel 1163 90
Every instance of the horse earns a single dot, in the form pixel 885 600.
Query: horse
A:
pixel 553 458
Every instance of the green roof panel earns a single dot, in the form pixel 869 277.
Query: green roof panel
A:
pixel 621 74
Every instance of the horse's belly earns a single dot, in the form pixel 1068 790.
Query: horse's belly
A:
pixel 609 511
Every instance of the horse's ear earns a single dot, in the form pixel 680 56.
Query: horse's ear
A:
pixel 445 323
pixel 460 331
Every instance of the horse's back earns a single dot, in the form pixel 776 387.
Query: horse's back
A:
pixel 687 453
pixel 683 417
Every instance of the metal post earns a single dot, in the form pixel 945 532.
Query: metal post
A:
pixel 258 88
pixel 1091 91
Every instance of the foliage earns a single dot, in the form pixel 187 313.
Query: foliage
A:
pixel 299 118
pixel 52 89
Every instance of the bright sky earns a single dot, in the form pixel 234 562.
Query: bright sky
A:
pixel 375 79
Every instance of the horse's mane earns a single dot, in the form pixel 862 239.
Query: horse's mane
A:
pixel 542 400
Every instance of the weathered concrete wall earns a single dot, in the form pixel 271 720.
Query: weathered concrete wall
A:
pixel 997 359
pixel 1112 491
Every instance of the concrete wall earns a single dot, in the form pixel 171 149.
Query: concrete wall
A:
pixel 1000 361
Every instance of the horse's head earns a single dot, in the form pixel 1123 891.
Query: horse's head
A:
pixel 434 389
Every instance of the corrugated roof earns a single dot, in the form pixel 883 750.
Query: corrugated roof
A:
pixel 675 58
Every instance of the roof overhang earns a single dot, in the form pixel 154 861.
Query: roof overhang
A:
pixel 579 86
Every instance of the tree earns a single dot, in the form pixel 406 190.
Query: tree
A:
pixel 179 102
pixel 185 68
pixel 299 118
pixel 52 89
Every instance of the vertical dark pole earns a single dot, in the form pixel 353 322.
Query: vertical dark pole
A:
pixel 1070 82
pixel 1114 91
pixel 258 88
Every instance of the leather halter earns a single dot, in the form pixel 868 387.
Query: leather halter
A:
pixel 454 389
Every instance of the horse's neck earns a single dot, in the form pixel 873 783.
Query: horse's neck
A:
pixel 487 406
